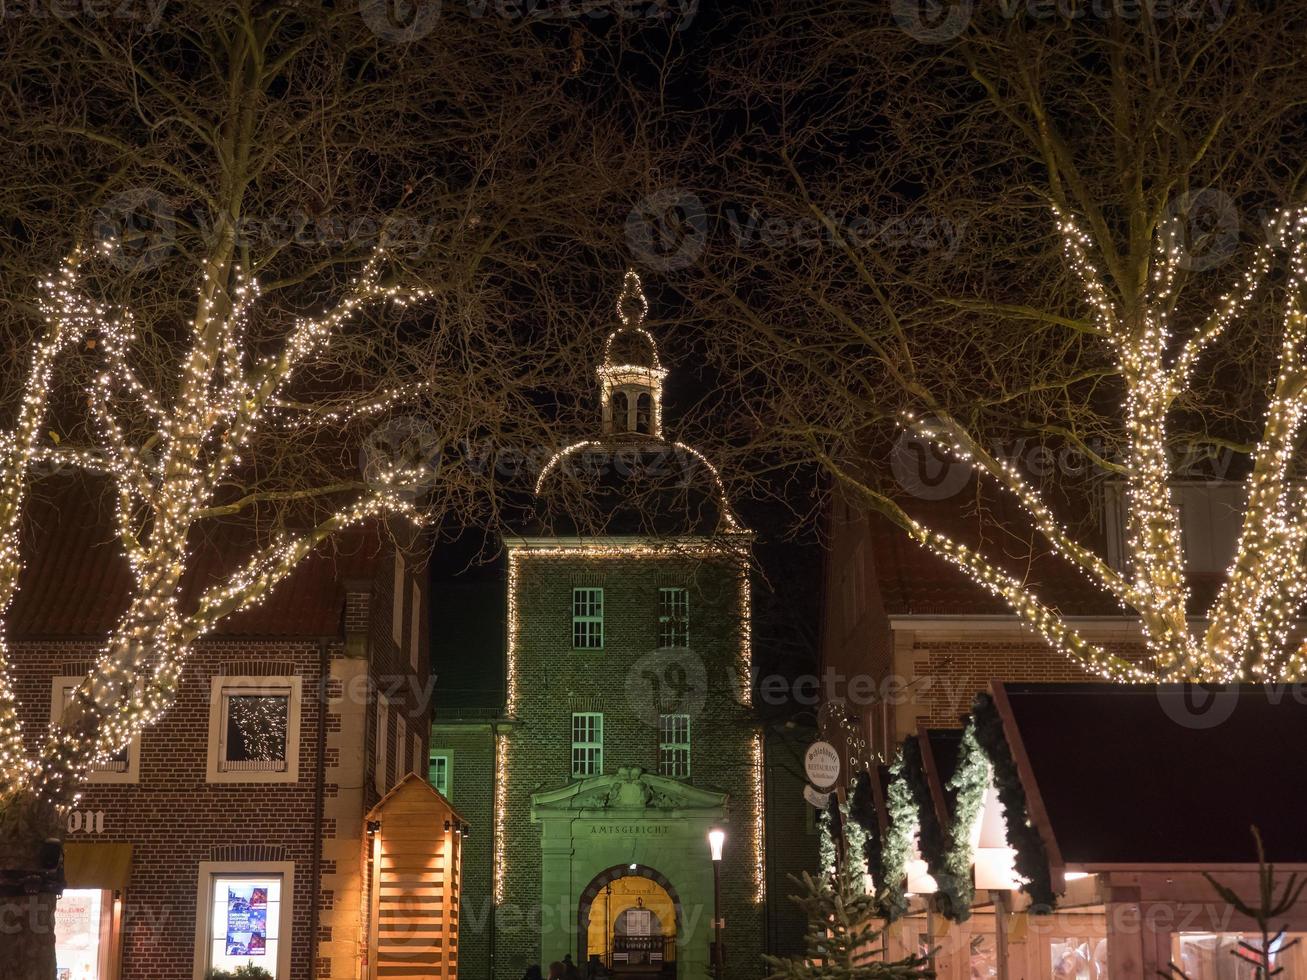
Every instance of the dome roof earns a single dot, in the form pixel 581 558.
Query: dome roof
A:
pixel 629 479
pixel 631 347
pixel 632 485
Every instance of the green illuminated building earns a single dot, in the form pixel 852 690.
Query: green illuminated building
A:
pixel 613 725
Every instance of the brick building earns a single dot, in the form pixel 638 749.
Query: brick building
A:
pixel 595 708
pixel 237 822
pixel 909 640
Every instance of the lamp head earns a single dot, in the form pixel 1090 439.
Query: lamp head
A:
pixel 716 840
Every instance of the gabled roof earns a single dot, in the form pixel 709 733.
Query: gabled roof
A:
pixel 915 582
pixel 414 785
pixel 1160 774
pixel 76 581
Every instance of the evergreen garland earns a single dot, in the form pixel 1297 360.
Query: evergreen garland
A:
pixel 952 893
pixel 969 781
pixel 1031 859
pixel 862 811
pixel 841 934
pixel 825 843
pixel 891 882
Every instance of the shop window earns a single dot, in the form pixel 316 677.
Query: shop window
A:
pixel 120 767
pixel 1236 956
pixel 587 744
pixel 244 909
pixel 674 746
pixel 1078 958
pixel 587 619
pixel 440 771
pixel 673 617
pixel 83 921
pixel 254 727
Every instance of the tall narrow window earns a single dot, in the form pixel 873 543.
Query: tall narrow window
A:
pixel 674 746
pixel 673 617
pixel 440 771
pixel 587 744
pixel 588 619
pixel 643 413
pixel 621 412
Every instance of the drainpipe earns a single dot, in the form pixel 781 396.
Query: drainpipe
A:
pixel 319 793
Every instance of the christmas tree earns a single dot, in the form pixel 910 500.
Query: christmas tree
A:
pixel 843 932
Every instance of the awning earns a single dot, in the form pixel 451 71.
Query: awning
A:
pixel 97 865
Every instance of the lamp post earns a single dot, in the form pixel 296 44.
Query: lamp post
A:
pixel 716 839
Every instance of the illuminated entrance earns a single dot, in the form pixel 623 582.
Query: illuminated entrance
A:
pixel 628 920
pixel 624 859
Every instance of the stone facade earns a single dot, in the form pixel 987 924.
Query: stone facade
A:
pixel 630 682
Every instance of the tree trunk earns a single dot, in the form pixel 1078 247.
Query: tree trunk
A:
pixel 31 877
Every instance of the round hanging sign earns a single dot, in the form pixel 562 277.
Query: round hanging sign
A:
pixel 822 764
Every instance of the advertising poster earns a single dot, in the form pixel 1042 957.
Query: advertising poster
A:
pixel 77 935
pixel 247 920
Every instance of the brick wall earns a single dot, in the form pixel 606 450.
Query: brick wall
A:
pixel 554 680
pixel 471 746
pixel 174 819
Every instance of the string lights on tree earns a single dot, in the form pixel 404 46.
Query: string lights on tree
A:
pixel 164 483
pixel 1249 626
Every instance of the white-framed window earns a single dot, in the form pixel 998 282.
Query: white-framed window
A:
pixel 401 746
pixel 121 767
pixel 587 619
pixel 83 930
pixel 397 603
pixel 415 625
pixel 673 617
pixel 254 729
pixel 587 743
pixel 243 912
pixel 415 753
pixel 440 771
pixel 674 746
pixel 380 776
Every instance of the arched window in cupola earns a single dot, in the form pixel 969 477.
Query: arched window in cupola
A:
pixel 644 413
pixel 619 411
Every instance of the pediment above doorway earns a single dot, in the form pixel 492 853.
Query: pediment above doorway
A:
pixel 630 790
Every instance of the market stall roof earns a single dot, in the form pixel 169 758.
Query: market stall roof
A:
pixel 1159 775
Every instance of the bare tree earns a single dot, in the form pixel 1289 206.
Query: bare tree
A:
pixel 292 229
pixel 1074 224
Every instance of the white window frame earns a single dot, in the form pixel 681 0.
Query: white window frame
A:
pixel 669 742
pixel 590 618
pixel 221 687
pixel 593 764
pixel 448 756
pixel 415 755
pixel 210 870
pixel 415 625
pixel 132 774
pixel 401 746
pixel 669 617
pixel 397 603
pixel 382 753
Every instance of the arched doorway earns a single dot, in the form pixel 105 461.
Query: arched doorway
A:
pixel 629 917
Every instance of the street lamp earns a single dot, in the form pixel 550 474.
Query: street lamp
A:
pixel 716 839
